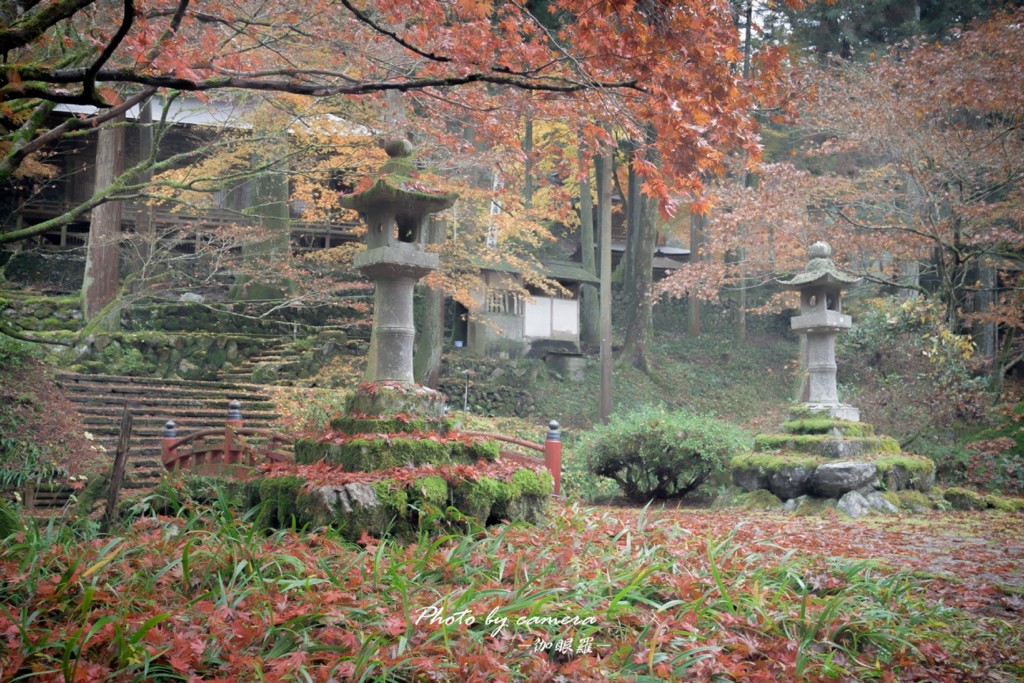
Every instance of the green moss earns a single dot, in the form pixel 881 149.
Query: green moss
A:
pixel 911 463
pixel 362 455
pixel 432 490
pixel 483 450
pixel 909 499
pixel 813 507
pixel 279 498
pixel 476 499
pixel 390 425
pixel 827 425
pixel 964 499
pixel 528 482
pixel 1005 504
pixel 761 499
pixel 826 444
pixel 773 462
pixel 892 498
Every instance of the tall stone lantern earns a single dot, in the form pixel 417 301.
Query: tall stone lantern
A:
pixel 395 208
pixel 821 318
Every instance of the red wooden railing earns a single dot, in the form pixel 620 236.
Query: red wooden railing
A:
pixel 223 450
pixel 552 450
pixel 232 453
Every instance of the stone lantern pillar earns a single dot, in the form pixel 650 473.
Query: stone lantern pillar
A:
pixel 395 208
pixel 821 319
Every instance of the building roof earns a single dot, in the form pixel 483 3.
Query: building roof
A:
pixel 565 271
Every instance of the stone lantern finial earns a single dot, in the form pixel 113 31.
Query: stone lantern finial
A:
pixel 821 319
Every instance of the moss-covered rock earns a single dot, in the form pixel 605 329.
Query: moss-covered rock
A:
pixel 524 498
pixel 912 500
pixel 760 499
pixel 809 506
pixel 278 499
pixel 476 499
pixel 964 499
pixel 1004 503
pixel 429 493
pixel 905 471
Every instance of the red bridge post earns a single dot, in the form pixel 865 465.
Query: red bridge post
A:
pixel 170 436
pixel 234 421
pixel 553 454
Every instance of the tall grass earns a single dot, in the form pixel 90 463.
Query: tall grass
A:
pixel 589 595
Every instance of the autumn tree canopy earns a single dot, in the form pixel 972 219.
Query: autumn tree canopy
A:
pixel 667 64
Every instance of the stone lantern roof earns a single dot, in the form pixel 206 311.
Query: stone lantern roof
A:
pixel 397 186
pixel 820 271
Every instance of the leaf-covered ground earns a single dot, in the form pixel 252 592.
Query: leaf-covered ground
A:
pixel 592 595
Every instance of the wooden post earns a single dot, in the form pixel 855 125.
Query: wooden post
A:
pixel 553 454
pixel 117 475
pixel 234 421
pixel 166 452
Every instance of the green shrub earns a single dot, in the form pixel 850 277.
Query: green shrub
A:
pixel 655 454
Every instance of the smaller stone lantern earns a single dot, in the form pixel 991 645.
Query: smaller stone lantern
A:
pixel 821 319
pixel 395 208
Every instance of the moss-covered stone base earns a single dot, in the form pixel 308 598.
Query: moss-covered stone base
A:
pixel 398 507
pixel 824 457
pixel 392 506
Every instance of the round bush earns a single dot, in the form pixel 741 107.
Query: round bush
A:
pixel 654 454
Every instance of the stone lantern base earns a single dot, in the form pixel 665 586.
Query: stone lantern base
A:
pixel 837 411
pixel 377 399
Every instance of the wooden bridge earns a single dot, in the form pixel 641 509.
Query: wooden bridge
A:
pixel 226 450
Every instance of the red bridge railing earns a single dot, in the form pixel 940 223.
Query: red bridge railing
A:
pixel 224 450
pixel 551 450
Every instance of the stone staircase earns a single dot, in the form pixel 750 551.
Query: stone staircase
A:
pixel 273 355
pixel 193 405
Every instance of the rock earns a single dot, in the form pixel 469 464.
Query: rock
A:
pixel 898 478
pixel 192 298
pixel 809 506
pixel 854 505
pixel 878 502
pixel 790 482
pixel 835 479
pixel 750 478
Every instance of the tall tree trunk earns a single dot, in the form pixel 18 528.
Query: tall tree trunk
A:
pixel 528 164
pixel 145 230
pixel 603 165
pixel 590 320
pixel 696 254
pixel 741 293
pixel 638 289
pixel 634 212
pixel 102 260
pixel 430 336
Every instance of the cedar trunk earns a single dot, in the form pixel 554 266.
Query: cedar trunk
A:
pixel 102 259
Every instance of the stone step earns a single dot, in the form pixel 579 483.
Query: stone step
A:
pixel 202 413
pixel 146 393
pixel 170 407
pixel 68 378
